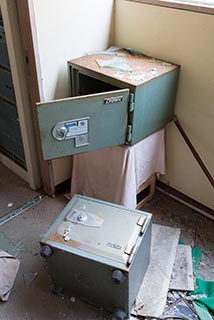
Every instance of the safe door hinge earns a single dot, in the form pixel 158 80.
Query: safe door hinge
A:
pixel 129 133
pixel 131 102
pixel 130 110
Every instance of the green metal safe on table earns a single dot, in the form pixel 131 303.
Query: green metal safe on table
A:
pixel 117 98
pixel 99 252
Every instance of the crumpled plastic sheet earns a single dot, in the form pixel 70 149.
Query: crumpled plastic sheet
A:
pixel 118 64
pixel 9 266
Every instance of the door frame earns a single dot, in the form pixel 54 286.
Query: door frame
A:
pixel 20 29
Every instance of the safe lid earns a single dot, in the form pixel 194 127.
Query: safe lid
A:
pixel 129 67
pixel 83 123
pixel 101 228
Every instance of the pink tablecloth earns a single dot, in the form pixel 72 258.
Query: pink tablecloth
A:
pixel 114 174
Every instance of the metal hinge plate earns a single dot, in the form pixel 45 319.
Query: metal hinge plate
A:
pixel 130 110
pixel 129 133
pixel 131 102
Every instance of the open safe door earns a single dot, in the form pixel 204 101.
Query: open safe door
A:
pixel 83 123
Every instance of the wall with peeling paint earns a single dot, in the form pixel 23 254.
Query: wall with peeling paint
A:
pixel 67 29
pixel 185 38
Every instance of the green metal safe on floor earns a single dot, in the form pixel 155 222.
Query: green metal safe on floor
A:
pixel 117 98
pixel 99 252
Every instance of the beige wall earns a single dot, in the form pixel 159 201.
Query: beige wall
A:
pixel 185 38
pixel 67 29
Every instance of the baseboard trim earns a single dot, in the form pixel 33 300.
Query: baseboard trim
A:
pixel 182 198
pixel 13 166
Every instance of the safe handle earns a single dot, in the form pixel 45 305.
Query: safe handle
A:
pixel 59 132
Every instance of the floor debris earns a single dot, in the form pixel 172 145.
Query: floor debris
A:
pixel 73 299
pixel 193 305
pixel 180 309
pixel 6 244
pixel 10 247
pixel 153 292
pixel 29 277
pixel 182 274
pixel 10 204
pixel 19 247
pixel 24 207
pixel 193 297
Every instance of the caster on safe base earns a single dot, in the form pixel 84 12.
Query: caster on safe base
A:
pixel 119 315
